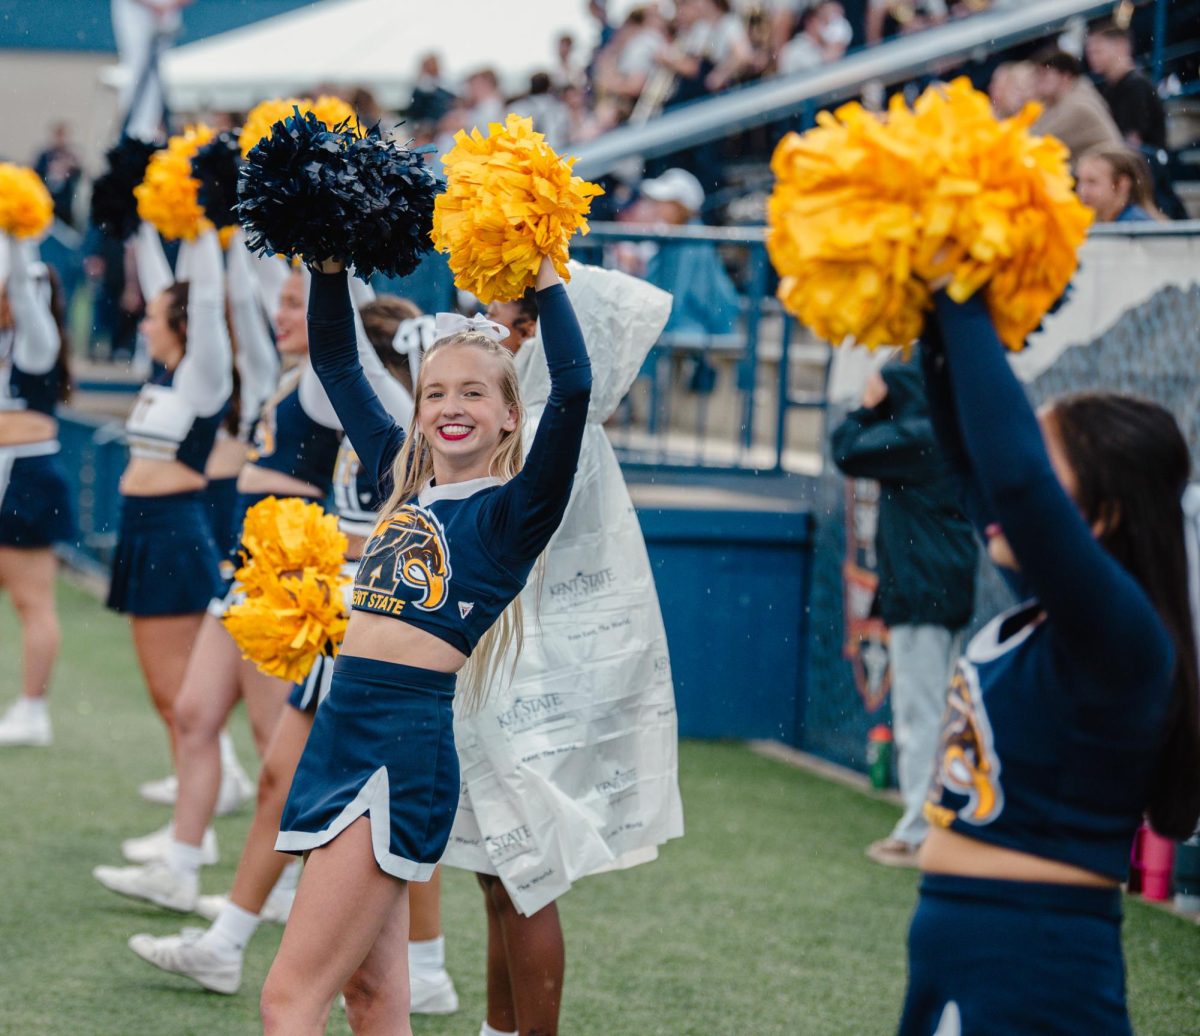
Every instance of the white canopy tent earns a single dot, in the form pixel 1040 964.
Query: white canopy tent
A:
pixel 376 44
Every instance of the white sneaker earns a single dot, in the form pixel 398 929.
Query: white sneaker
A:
pixel 432 992
pixel 154 882
pixel 161 792
pixel 237 789
pixel 191 955
pixel 154 846
pixel 24 723
pixel 275 910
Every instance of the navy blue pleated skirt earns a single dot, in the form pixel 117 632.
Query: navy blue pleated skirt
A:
pixel 224 517
pixel 382 746
pixel 36 509
pixel 166 562
pixel 997 958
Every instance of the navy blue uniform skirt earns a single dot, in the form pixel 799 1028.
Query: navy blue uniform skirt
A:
pixel 306 695
pixel 166 562
pixel 224 515
pixel 36 509
pixel 382 746
pixel 997 958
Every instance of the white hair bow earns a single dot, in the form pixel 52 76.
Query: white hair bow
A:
pixel 452 323
pixel 412 338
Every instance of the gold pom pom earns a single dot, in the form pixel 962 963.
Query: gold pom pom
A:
pixel 26 208
pixel 293 609
pixel 509 200
pixel 168 196
pixel 868 212
pixel 331 110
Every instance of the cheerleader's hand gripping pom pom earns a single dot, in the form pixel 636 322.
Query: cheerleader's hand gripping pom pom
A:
pixel 216 167
pixel 509 201
pixel 293 609
pixel 869 213
pixel 168 198
pixel 26 209
pixel 297 191
pixel 114 206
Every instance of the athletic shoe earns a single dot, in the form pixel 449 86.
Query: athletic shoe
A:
pixel 154 882
pixel 154 846
pixel 191 955
pixel 237 789
pixel 275 910
pixel 161 792
pixel 432 992
pixel 24 723
pixel 892 852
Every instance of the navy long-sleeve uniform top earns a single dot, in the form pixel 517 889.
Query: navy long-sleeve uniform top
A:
pixel 450 561
pixel 1056 712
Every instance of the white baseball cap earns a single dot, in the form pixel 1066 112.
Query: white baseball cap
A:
pixel 676 185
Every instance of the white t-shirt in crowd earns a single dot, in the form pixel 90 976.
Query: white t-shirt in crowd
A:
pixel 800 54
pixel 714 40
pixel 638 56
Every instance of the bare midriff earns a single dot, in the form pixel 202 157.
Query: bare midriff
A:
pixel 387 639
pixel 21 427
pixel 254 479
pixel 147 477
pixel 948 852
pixel 226 459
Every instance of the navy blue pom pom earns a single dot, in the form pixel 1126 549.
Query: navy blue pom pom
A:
pixel 395 192
pixel 295 199
pixel 216 167
pixel 114 208
pixel 323 194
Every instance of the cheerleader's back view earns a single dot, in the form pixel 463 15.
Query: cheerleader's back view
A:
pixel 375 792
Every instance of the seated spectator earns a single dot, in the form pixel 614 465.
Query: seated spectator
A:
pixel 1075 113
pixel 1135 105
pixel 888 18
pixel 1115 182
pixel 547 111
pixel 706 301
pixel 710 52
pixel 1011 88
pixel 823 37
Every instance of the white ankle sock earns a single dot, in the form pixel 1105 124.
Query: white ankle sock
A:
pixel 427 955
pixel 184 859
pixel 233 927
pixel 487 1030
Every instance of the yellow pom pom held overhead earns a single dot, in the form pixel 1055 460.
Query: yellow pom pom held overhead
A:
pixel 509 200
pixel 293 609
pixel 26 208
pixel 868 212
pixel 331 110
pixel 168 196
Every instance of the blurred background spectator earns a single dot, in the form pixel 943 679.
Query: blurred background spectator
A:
pixel 1116 183
pixel 1075 112
pixel 58 166
pixel 824 34
pixel 1134 103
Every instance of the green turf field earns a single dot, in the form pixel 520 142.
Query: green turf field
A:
pixel 765 919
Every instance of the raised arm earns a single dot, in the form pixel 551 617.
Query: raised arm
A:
pixel 530 507
pixel 394 397
pixel 36 341
pixel 257 361
pixel 1097 607
pixel 333 350
pixel 204 377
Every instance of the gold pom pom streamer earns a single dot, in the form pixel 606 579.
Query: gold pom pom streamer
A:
pixel 332 111
pixel 509 200
pixel 868 212
pixel 293 608
pixel 168 197
pixel 26 208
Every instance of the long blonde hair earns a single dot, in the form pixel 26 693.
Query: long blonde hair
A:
pixel 413 468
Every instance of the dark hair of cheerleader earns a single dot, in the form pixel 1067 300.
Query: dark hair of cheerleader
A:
pixel 177 311
pixel 1132 465
pixel 232 421
pixel 381 317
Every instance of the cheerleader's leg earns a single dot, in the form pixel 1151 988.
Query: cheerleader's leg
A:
pixel 163 644
pixel 28 576
pixel 343 903
pixel 377 995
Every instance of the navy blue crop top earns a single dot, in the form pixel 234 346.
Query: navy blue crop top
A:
pixel 288 440
pixel 1056 713
pixel 452 560
pixel 162 427
pixel 356 495
pixel 34 392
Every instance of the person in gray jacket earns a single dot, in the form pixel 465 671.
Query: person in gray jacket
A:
pixel 927 560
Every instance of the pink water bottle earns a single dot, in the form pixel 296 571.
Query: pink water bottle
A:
pixel 1153 857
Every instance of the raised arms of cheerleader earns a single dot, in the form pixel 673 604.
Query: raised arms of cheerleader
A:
pixel 1097 607
pixel 36 341
pixel 257 360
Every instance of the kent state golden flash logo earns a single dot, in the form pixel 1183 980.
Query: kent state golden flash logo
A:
pixel 967 764
pixel 407 549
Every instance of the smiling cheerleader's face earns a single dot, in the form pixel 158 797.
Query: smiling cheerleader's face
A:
pixel 291 319
pixel 466 406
